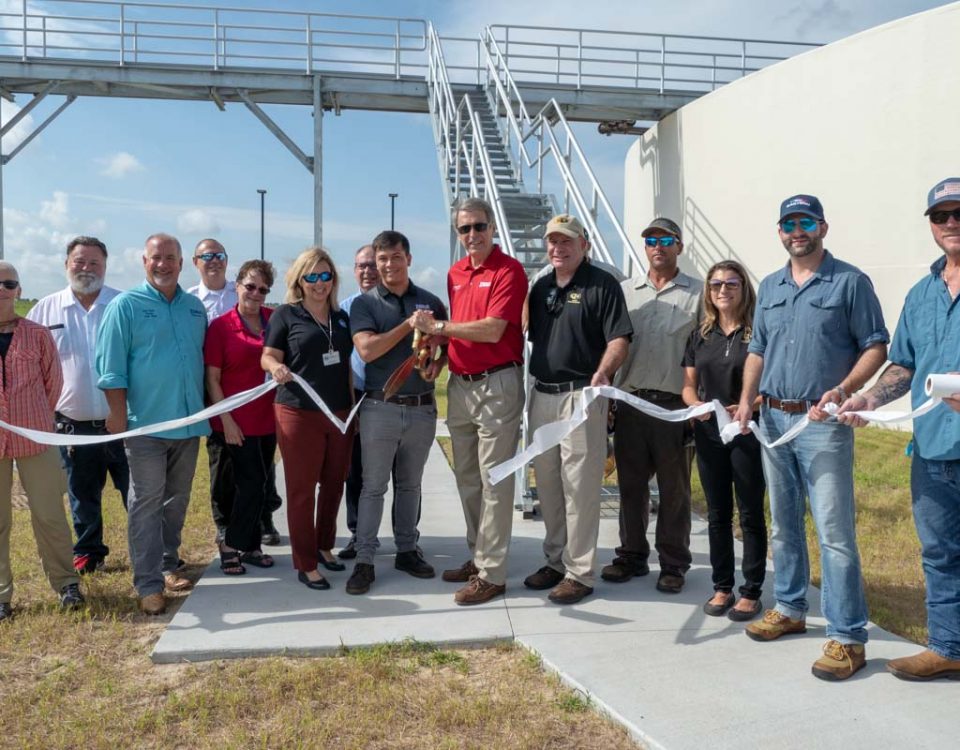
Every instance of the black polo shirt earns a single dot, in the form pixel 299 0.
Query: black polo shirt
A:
pixel 718 360
pixel 589 312
pixel 380 310
pixel 304 343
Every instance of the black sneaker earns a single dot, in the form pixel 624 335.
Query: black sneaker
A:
pixel 349 552
pixel 70 597
pixel 412 562
pixel 623 569
pixel 363 575
pixel 269 535
pixel 6 611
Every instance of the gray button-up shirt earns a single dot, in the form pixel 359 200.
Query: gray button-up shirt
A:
pixel 811 336
pixel 662 321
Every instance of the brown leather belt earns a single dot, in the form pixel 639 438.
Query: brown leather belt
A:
pixel 481 375
pixel 789 406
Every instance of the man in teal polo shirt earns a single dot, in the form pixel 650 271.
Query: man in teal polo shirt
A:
pixel 150 366
pixel 926 342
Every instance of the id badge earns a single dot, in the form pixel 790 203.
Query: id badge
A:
pixel 331 358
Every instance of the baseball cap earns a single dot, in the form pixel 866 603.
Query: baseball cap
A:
pixel 801 204
pixel 943 191
pixel 565 224
pixel 665 225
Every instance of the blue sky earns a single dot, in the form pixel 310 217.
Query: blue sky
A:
pixel 123 168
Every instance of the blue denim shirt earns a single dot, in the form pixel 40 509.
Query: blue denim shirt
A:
pixel 154 349
pixel 927 341
pixel 811 336
pixel 356 364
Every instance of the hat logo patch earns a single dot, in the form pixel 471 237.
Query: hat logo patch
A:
pixel 951 188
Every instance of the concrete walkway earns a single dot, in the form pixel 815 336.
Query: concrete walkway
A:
pixel 673 676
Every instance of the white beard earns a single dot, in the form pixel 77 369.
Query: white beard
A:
pixel 84 283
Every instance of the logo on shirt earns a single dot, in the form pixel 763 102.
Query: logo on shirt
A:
pixel 483 284
pixel 456 287
pixel 343 323
pixel 150 313
pixel 574 298
pixel 423 306
pixel 198 314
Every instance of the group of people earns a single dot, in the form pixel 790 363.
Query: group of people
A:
pixel 812 335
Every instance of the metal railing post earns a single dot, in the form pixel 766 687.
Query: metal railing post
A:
pixel 309 30
pixel 743 58
pixel 123 29
pixel 397 54
pixel 43 36
pixel 713 77
pixel 136 41
pixel 216 39
pixel 23 10
pixel 579 59
pixel 663 61
pixel 558 63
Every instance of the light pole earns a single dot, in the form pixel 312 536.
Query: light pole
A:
pixel 263 194
pixel 393 200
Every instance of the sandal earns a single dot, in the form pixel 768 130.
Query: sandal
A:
pixel 257 558
pixel 230 562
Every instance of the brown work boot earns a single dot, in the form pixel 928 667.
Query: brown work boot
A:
pixel 175 582
pixel 545 578
pixel 924 666
pixel 461 574
pixel 839 661
pixel 773 625
pixel 478 591
pixel 153 604
pixel 569 591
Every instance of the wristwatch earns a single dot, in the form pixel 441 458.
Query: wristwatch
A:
pixel 842 391
pixel 439 326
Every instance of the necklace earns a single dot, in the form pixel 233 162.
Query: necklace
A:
pixel 327 329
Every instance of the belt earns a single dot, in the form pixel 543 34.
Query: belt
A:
pixel 650 394
pixel 567 387
pixel 84 424
pixel 481 375
pixel 789 406
pixel 422 399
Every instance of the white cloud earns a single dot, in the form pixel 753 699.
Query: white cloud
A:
pixel 22 129
pixel 119 165
pixel 197 221
pixel 56 211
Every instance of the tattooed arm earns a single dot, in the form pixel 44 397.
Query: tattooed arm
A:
pixel 891 385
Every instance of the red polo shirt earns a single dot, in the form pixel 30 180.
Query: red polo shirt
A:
pixel 494 289
pixel 235 349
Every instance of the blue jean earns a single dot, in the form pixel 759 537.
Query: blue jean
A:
pixel 161 474
pixel 816 465
pixel 87 467
pixel 936 512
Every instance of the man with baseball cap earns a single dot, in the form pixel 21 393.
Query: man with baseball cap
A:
pixel 664 307
pixel 818 336
pixel 580 332
pixel 925 343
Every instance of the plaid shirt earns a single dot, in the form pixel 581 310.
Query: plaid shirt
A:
pixel 29 387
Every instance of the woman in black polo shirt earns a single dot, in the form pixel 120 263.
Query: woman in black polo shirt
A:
pixel 713 369
pixel 310 336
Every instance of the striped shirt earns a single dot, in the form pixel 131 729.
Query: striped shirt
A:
pixel 29 387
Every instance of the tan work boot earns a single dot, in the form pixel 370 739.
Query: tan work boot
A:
pixel 461 574
pixel 773 625
pixel 925 666
pixel 477 591
pixel 839 661
pixel 153 604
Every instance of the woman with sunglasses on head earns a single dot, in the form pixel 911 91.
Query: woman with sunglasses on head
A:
pixel 231 352
pixel 713 369
pixel 310 336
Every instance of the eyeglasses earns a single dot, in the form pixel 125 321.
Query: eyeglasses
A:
pixel 807 225
pixel 940 217
pixel 717 284
pixel 207 257
pixel 365 266
pixel 9 284
pixel 313 278
pixel 555 299
pixel 264 290
pixel 480 226
pixel 662 241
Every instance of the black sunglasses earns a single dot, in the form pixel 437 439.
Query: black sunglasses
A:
pixel 480 226
pixel 555 299
pixel 264 290
pixel 9 284
pixel 207 257
pixel 940 217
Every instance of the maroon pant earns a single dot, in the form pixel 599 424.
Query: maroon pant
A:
pixel 314 453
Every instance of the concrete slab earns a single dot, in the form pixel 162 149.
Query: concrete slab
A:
pixel 673 676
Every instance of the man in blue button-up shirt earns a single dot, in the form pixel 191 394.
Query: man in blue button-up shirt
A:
pixel 927 341
pixel 150 367
pixel 818 335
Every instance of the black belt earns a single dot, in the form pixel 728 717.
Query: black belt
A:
pixel 789 406
pixel 67 425
pixel 650 394
pixel 567 387
pixel 481 375
pixel 422 399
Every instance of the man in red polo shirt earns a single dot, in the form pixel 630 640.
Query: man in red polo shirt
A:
pixel 485 394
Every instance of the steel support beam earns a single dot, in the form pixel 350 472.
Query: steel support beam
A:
pixel 38 97
pixel 317 162
pixel 286 140
pixel 37 130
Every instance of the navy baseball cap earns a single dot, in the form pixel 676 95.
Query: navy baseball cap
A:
pixel 801 204
pixel 943 191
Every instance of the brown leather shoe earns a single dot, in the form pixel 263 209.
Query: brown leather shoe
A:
pixel 153 604
pixel 924 666
pixel 839 661
pixel 569 591
pixel 173 582
pixel 461 574
pixel 773 625
pixel 545 578
pixel 478 591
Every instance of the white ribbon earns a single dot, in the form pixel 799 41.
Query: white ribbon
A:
pixel 550 435
pixel 221 407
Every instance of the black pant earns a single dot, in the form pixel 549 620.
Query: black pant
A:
pixel 723 469
pixel 223 484
pixel 252 463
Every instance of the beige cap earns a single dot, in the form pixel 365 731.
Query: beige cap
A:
pixel 565 224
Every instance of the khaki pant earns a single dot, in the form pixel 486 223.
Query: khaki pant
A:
pixel 43 480
pixel 568 484
pixel 484 418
